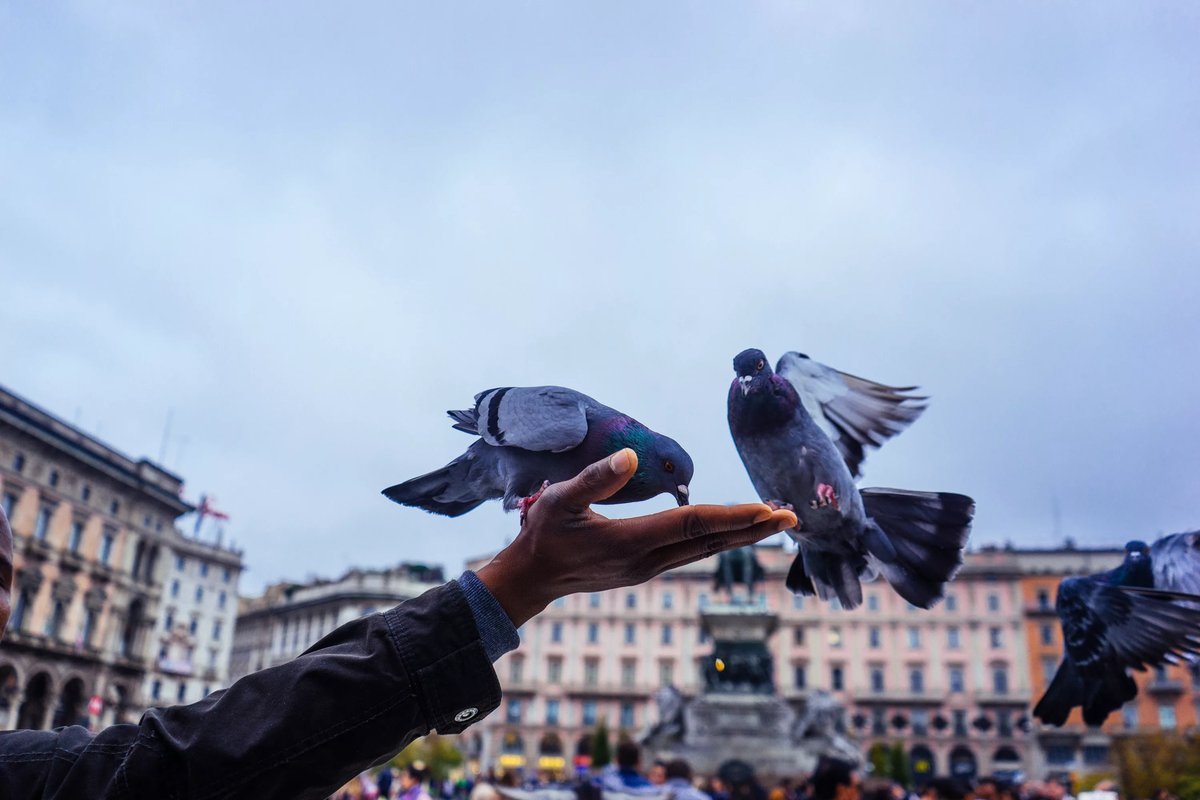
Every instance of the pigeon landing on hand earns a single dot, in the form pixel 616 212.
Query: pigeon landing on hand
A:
pixel 800 432
pixel 1109 627
pixel 529 437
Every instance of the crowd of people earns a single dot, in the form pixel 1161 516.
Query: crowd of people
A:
pixel 675 780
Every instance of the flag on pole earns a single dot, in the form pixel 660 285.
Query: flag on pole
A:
pixel 207 509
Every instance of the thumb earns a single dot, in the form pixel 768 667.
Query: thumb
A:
pixel 598 481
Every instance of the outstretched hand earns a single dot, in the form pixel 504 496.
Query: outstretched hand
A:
pixel 564 547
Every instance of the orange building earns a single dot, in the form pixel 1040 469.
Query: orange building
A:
pixel 1168 699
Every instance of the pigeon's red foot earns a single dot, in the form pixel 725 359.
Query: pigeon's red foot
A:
pixel 779 505
pixel 825 496
pixel 527 502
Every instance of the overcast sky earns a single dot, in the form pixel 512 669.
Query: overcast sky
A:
pixel 309 229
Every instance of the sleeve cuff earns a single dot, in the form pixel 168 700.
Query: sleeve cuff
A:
pixel 496 630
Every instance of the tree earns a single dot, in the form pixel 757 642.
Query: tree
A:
pixel 438 755
pixel 898 766
pixel 601 749
pixel 878 756
pixel 1151 761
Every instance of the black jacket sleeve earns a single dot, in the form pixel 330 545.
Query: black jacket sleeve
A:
pixel 299 730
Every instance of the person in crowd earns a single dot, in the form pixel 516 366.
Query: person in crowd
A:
pixel 878 789
pixel 835 780
pixel 679 782
pixel 658 773
pixel 945 789
pixel 987 788
pixel 384 781
pixel 782 791
pixel 300 730
pixel 715 788
pixel 412 782
pixel 624 775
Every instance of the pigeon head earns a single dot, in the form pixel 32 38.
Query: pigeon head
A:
pixel 752 368
pixel 1136 550
pixel 669 468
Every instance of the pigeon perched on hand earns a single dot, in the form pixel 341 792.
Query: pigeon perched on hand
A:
pixel 534 436
pixel 801 431
pixel 1109 626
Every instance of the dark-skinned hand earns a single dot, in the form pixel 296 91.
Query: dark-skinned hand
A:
pixel 564 547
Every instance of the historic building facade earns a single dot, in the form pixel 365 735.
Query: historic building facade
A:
pixel 288 618
pixel 194 631
pixel 91 528
pixel 952 683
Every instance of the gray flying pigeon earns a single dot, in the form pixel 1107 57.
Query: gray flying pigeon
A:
pixel 800 431
pixel 529 437
pixel 1110 625
pixel 1175 560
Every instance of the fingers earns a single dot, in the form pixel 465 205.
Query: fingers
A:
pixel 679 553
pixel 598 481
pixel 694 522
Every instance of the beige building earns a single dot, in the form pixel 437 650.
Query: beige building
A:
pixel 288 618
pixel 91 530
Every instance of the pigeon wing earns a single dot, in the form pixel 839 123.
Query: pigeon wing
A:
pixel 545 418
pixel 855 413
pixel 1176 563
pixel 1102 622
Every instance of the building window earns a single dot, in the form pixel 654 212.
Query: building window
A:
pixel 516 668
pixel 1166 717
pixel 556 632
pixel 175 588
pixel 630 633
pixel 42 527
pixel 953 639
pixel 798 601
pixel 1095 755
pixel 1047 634
pixel 20 608
pixel 951 602
pixel 591 672
pixel 217 629
pixel 800 676
pixel 835 637
pixel 181 695
pixel 1043 600
pixel 203 569
pixel 227 574
pixel 10 502
pixel 836 682
pixel 221 600
pixel 1060 755
pixel 916 680
pixel 872 602
pixel 873 638
pixel 54 623
pixel 668 601
pixel 993 602
pixel 89 625
pixel 1000 680
pixel 957 683
pixel 53 479
pixel 876 679
pixel 593 635
pixel 627 715
pixel 196 624
pixel 106 546
pixel 1129 716
pixel 85 493
pixel 1049 667
pixel 169 622
pixel 1004 723
pixel 593 600
pixel 180 563
pixel 702 636
pixel 554 670
pixel 995 634
pixel 552 712
pixel 631 600
pixel 920 722
pixel 628 672
pixel 589 712
pixel 76 536
pixel 666 673
pixel 878 722
pixel 914 638
pixel 114 508
pixel 155 690
pixel 18 462
pixel 199 594
pixel 513 713
pixel 666 633
pixel 798 635
pixel 960 722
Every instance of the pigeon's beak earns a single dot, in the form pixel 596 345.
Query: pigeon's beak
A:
pixel 745 380
pixel 1135 556
pixel 681 494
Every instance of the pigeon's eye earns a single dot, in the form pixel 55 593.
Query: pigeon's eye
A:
pixel 760 364
pixel 669 465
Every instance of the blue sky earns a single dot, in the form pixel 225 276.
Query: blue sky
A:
pixel 308 230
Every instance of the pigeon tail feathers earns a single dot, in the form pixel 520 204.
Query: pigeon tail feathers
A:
pixel 465 420
pixel 917 539
pixel 452 491
pixel 1064 693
